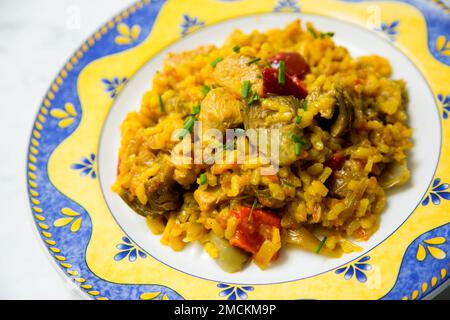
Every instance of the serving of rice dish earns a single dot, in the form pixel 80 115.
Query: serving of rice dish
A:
pixel 337 139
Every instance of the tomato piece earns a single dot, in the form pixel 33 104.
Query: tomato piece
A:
pixel 247 235
pixel 293 85
pixel 295 64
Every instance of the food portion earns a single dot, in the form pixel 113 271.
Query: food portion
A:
pixel 342 131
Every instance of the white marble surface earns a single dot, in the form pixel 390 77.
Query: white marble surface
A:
pixel 37 36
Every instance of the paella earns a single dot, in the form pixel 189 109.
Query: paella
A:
pixel 273 140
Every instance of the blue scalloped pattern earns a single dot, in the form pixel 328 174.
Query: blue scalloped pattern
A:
pixel 437 20
pixel 73 245
pixel 413 273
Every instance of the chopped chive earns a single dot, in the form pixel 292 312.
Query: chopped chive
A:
pixel 203 179
pixel 254 98
pixel 298 148
pixel 283 181
pixel 255 202
pixel 305 105
pixel 245 89
pixel 326 34
pixel 188 125
pixel 313 32
pixel 213 86
pixel 253 61
pixel 237 48
pixel 216 61
pixel 183 133
pixel 321 244
pixel 296 138
pixel 205 89
pixel 298 119
pixel 195 110
pixel 161 105
pixel 281 73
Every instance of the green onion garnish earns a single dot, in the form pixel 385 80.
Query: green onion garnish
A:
pixel 253 61
pixel 326 34
pixel 313 32
pixel 254 98
pixel 281 73
pixel 203 179
pixel 298 119
pixel 205 89
pixel 321 244
pixel 216 61
pixel 183 133
pixel 305 105
pixel 296 138
pixel 188 125
pixel 298 148
pixel 245 89
pixel 255 202
pixel 161 105
pixel 195 110
pixel 237 48
pixel 283 181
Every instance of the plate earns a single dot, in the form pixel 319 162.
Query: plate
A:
pixel 108 251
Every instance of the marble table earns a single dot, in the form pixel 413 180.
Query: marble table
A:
pixel 37 37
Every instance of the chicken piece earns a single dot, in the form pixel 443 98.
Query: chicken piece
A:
pixel 208 199
pixel 234 69
pixel 220 109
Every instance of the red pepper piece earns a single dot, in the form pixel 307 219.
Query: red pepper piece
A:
pixel 247 241
pixel 247 236
pixel 300 86
pixel 295 64
pixel 262 217
pixel 293 85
